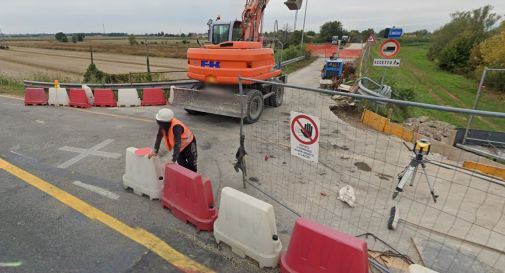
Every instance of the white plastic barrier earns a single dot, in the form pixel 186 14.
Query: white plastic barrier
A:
pixel 248 226
pixel 128 97
pixel 143 175
pixel 89 94
pixel 415 268
pixel 58 96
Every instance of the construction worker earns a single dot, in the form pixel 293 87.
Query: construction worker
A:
pixel 178 139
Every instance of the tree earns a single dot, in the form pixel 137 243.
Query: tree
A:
pixel 61 37
pixel 80 37
pixel 452 44
pixel 132 40
pixel 491 53
pixel 367 32
pixel 74 38
pixel 311 33
pixel 330 29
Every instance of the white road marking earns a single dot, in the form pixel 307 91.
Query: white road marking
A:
pixel 24 156
pixel 83 153
pixel 40 121
pixel 95 189
pixel 11 264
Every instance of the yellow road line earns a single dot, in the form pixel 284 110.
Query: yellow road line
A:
pixel 139 235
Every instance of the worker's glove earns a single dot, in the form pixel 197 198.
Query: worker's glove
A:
pixel 152 154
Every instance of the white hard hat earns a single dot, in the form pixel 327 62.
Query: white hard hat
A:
pixel 165 115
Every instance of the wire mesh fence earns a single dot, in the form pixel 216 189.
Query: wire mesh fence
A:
pixel 463 231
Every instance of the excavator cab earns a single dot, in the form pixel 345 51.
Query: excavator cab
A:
pixel 224 32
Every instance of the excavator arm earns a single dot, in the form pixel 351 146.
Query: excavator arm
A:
pixel 252 17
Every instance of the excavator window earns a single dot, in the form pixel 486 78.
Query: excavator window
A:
pixel 220 33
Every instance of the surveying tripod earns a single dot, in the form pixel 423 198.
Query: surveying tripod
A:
pixel 421 149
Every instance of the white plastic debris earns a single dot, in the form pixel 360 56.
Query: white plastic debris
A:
pixel 89 94
pixel 346 194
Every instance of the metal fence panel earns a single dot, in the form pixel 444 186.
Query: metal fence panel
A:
pixel 464 231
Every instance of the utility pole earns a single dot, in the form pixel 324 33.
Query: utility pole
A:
pixel 296 19
pixel 304 18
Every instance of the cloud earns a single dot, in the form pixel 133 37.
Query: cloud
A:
pixel 133 16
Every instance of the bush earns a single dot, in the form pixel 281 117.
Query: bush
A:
pixel 61 37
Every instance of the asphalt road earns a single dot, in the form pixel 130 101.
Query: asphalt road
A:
pixel 41 234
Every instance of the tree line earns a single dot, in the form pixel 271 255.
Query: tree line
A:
pixel 469 42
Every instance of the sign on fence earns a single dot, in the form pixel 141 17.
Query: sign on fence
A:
pixel 386 62
pixel 304 136
pixel 389 48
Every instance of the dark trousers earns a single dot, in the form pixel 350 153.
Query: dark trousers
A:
pixel 188 156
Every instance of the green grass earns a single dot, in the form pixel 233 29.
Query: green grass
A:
pixel 432 85
pixel 11 86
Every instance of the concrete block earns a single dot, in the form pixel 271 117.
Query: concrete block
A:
pixel 128 97
pixel 415 268
pixel 143 175
pixel 58 97
pixel 89 94
pixel 248 226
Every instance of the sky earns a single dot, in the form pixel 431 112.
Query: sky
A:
pixel 172 16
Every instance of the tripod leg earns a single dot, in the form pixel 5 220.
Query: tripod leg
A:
pixel 413 176
pixel 432 188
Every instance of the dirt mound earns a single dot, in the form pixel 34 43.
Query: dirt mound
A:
pixel 432 128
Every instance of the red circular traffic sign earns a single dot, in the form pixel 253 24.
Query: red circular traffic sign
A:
pixel 389 48
pixel 313 137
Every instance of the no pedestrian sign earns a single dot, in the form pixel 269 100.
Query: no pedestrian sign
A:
pixel 305 136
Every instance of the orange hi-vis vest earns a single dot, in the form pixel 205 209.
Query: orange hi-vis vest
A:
pixel 186 136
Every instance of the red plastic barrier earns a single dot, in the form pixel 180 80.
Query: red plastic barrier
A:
pixel 327 50
pixel 78 98
pixel 104 98
pixel 153 96
pixel 189 197
pixel 35 96
pixel 315 248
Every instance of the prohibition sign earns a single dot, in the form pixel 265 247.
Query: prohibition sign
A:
pixel 312 139
pixel 389 48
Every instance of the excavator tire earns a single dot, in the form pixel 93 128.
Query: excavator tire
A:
pixel 278 97
pixel 254 106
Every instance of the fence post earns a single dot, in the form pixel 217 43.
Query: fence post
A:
pixel 476 101
pixel 241 152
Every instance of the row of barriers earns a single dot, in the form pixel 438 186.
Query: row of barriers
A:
pixel 85 97
pixel 243 222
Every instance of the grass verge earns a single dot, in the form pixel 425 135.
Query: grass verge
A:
pixel 432 85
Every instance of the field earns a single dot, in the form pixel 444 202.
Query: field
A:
pixel 432 85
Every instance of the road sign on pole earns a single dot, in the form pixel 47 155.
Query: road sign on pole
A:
pixel 371 39
pixel 394 33
pixel 389 48
pixel 386 62
pixel 304 131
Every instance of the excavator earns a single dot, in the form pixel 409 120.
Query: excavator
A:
pixel 233 49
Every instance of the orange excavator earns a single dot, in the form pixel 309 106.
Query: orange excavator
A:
pixel 234 49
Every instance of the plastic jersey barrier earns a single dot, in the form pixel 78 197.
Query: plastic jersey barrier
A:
pixel 189 197
pixel 248 226
pixel 315 248
pixel 104 98
pixel 58 97
pixel 153 96
pixel 35 96
pixel 128 97
pixel 78 98
pixel 143 175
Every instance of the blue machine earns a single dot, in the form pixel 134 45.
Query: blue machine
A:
pixel 333 69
